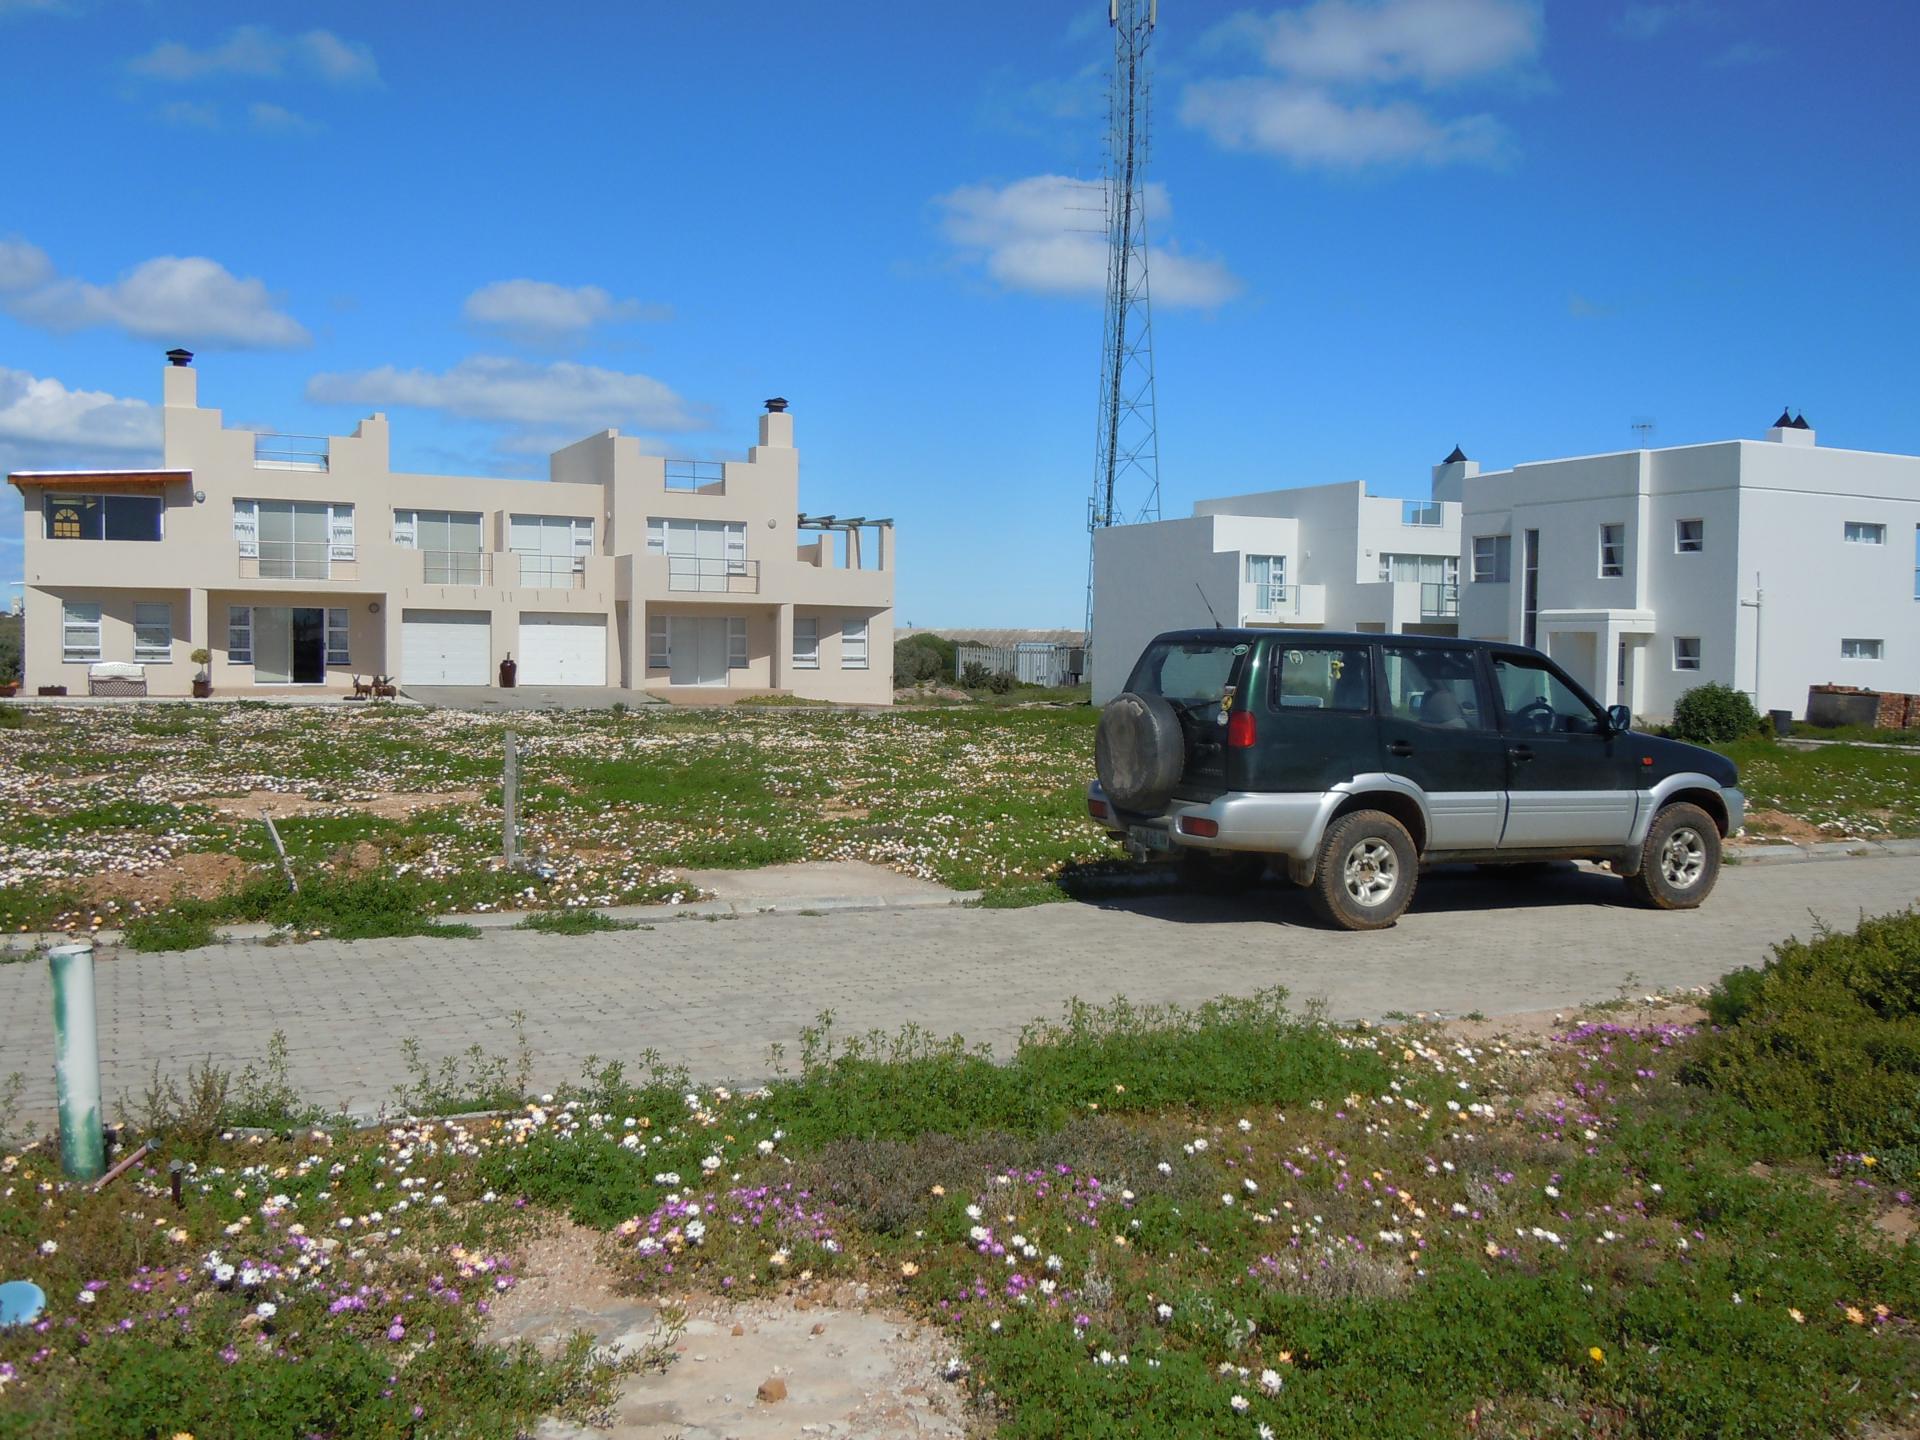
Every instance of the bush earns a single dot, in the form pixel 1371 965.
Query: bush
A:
pixel 974 676
pixel 1825 1038
pixel 999 682
pixel 1713 714
pixel 920 659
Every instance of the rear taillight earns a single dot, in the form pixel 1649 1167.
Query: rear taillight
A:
pixel 1098 809
pixel 1240 730
pixel 1193 825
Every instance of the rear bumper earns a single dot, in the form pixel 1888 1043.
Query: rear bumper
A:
pixel 1268 824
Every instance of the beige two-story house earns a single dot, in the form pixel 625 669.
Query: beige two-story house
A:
pixel 305 562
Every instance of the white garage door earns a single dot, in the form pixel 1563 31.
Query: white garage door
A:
pixel 563 650
pixel 445 647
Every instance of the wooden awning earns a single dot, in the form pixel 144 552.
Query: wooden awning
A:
pixel 98 479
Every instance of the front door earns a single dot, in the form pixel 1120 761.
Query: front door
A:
pixel 697 649
pixel 309 645
pixel 289 645
pixel 1437 730
pixel 1570 781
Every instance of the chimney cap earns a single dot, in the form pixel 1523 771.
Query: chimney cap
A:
pixel 177 356
pixel 777 405
pixel 1800 423
pixel 1456 457
pixel 1785 422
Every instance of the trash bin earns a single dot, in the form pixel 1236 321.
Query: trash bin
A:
pixel 507 671
pixel 1782 722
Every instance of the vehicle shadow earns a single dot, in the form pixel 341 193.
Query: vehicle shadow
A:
pixel 1445 889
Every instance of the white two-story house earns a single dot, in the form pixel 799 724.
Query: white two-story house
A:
pixel 303 562
pixel 1318 557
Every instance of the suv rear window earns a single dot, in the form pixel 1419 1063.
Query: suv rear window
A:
pixel 1324 677
pixel 1192 671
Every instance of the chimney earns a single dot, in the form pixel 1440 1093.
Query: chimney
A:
pixel 1791 429
pixel 776 426
pixel 179 382
pixel 1450 475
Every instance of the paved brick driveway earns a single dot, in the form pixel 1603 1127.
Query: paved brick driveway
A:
pixel 714 995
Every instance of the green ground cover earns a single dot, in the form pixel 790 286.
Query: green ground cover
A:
pixel 1232 1221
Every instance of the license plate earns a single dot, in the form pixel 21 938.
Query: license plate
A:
pixel 1148 838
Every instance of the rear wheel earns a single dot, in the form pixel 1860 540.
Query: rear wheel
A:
pixel 1679 861
pixel 1367 872
pixel 1211 873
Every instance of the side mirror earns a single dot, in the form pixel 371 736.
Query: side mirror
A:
pixel 1620 717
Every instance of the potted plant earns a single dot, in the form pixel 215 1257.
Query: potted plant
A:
pixel 203 682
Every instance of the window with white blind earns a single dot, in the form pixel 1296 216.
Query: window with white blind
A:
pixel 239 635
pixel 339 651
pixel 294 539
pixel 79 631
pixel 153 632
pixel 736 642
pixel 657 658
pixel 853 645
pixel 451 540
pixel 552 548
pixel 806 642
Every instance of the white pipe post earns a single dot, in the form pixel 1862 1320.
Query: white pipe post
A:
pixel 510 804
pixel 76 1061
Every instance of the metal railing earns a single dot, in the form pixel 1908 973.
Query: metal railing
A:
pixel 1420 512
pixel 553 572
pixel 703 477
pixel 291 452
pixel 713 575
pixel 1439 598
pixel 295 559
pixel 455 567
pixel 1269 599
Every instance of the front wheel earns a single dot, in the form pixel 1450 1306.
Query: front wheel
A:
pixel 1679 861
pixel 1368 868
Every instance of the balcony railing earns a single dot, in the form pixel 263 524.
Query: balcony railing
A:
pixel 554 572
pixel 1420 512
pixel 1440 598
pixel 295 560
pixel 290 452
pixel 455 567
pixel 1275 599
pixel 697 477
pixel 713 575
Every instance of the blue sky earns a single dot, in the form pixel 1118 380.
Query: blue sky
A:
pixel 1384 227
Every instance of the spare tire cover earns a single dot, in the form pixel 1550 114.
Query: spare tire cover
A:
pixel 1139 751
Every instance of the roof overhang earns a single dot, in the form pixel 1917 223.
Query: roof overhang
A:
pixel 97 479
pixel 1611 621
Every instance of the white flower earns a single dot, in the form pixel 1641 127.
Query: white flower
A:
pixel 1163 1310
pixel 1553 1192
pixel 765 1147
pixel 696 1230
pixel 978 1234
pixel 1164 1168
pixel 266 1309
pixel 1053 1262
pixel 710 1164
pixel 1245 1125
pixel 1226 1199
pixel 1251 1188
pixel 1200 1144
pixel 630 1142
pixel 1240 1404
pixel 1271 1382
pixel 85 1297
pixel 973 1212
pixel 48 1247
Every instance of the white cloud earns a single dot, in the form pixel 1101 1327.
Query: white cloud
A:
pixel 1310 127
pixel 1337 73
pixel 1645 20
pixel 540 309
pixel 44 415
pixel 256 52
pixel 189 300
pixel 191 115
pixel 1430 42
pixel 278 120
pixel 1046 234
pixel 22 266
pixel 494 387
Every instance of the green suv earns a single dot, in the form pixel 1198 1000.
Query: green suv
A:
pixel 1356 759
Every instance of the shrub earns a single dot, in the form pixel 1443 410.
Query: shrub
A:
pixel 1824 1039
pixel 922 658
pixel 975 676
pixel 1714 714
pixel 999 682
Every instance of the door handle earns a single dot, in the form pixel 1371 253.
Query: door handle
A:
pixel 1399 747
pixel 1521 752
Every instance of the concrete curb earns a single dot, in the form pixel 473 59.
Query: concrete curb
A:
pixel 1786 853
pixel 504 920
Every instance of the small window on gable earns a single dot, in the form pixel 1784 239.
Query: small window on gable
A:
pixel 1863 532
pixel 1686 652
pixel 1855 649
pixel 1689 536
pixel 1613 551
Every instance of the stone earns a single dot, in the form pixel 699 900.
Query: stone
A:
pixel 772 1390
pixel 803 1303
pixel 819 1328
pixel 739 1329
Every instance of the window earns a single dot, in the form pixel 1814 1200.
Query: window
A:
pixel 1324 677
pixel 104 517
pixel 294 539
pixel 552 548
pixel 1492 559
pixel 1427 569
pixel 1862 649
pixel 153 631
pixel 1613 551
pixel 657 656
pixel 1535 701
pixel 239 635
pixel 736 642
pixel 451 540
pixel 337 646
pixel 1433 687
pixel 79 631
pixel 1863 532
pixel 853 644
pixel 1268 576
pixel 1191 671
pixel 1686 652
pixel 1689 536
pixel 1421 512
pixel 806 642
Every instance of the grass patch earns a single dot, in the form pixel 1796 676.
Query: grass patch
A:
pixel 1845 790
pixel 574 922
pixel 187 925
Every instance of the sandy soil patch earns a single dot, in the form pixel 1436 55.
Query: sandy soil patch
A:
pixel 197 875
pixel 392 805
pixel 1776 824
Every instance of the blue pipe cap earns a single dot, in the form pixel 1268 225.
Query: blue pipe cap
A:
pixel 21 1302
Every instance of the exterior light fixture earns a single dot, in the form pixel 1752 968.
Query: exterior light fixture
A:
pixel 373 607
